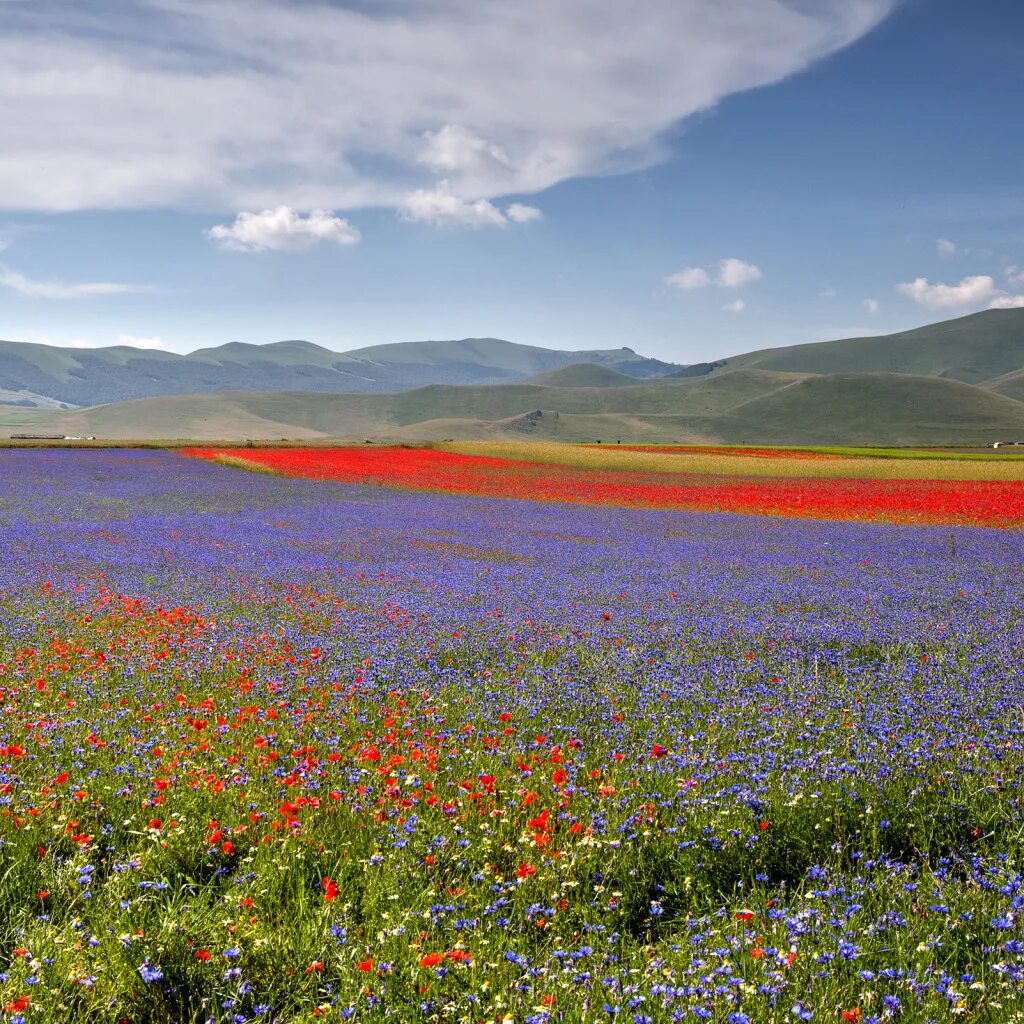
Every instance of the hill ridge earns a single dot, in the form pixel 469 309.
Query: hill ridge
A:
pixel 742 406
pixel 85 377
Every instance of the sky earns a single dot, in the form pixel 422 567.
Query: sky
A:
pixel 689 178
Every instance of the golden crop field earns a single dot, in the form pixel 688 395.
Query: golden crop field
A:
pixel 830 465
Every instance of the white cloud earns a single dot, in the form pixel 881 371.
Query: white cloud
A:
pixel 827 293
pixel 736 306
pixel 871 305
pixel 689 278
pixel 1014 275
pixel 253 104
pixel 731 273
pixel 1007 302
pixel 18 282
pixel 134 342
pixel 441 207
pixel 734 273
pixel 523 214
pixel 454 148
pixel 283 230
pixel 945 247
pixel 970 291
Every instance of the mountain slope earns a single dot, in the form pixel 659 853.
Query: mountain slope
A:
pixel 973 349
pixel 876 409
pixel 582 375
pixel 85 377
pixel 741 406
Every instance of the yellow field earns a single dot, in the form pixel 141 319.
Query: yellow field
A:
pixel 860 467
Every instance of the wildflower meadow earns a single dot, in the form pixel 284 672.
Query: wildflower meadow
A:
pixel 281 749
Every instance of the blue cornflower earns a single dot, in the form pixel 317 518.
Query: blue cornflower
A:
pixel 151 973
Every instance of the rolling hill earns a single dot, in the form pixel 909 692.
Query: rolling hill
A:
pixel 582 375
pixel 959 382
pixel 975 349
pixel 740 406
pixel 41 376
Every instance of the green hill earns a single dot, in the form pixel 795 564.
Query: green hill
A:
pixel 582 375
pixel 960 382
pixel 739 406
pixel 973 349
pixel 46 375
pixel 876 409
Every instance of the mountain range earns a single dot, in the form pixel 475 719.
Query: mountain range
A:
pixel 47 376
pixel 959 382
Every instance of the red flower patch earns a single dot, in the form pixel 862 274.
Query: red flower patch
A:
pixel 967 502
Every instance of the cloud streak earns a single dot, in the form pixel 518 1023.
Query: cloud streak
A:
pixel 255 104
pixel 33 289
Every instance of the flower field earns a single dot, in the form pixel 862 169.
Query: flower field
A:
pixel 745 452
pixel 279 749
pixel 993 502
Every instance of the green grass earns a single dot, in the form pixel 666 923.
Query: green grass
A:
pixel 975 349
pixel 745 406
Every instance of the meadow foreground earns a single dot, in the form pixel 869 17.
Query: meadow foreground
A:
pixel 277 750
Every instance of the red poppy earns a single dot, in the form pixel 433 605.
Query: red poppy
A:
pixel 977 502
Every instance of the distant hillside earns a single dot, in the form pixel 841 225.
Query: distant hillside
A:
pixel 582 375
pixel 974 349
pixel 740 406
pixel 45 375
pixel 876 409
pixel 958 382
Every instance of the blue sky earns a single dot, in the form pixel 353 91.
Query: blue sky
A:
pixel 688 179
